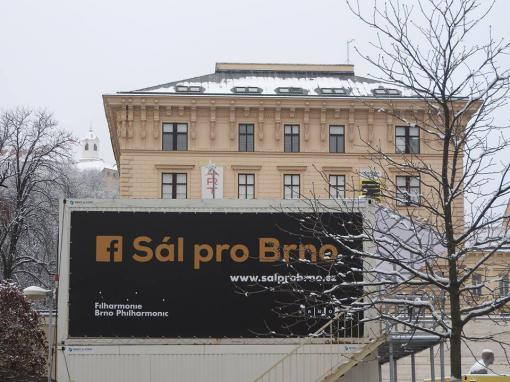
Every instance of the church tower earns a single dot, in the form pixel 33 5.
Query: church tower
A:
pixel 90 147
pixel 89 156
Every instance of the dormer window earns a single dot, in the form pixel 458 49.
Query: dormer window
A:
pixel 293 91
pixel 246 90
pixel 381 91
pixel 333 91
pixel 189 89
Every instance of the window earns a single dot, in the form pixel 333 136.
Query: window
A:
pixel 291 138
pixel 175 136
pixel 246 186
pixel 336 139
pixel 407 139
pixel 408 190
pixel 295 91
pixel 504 285
pixel 291 186
pixel 189 89
pixel 336 186
pixel 246 142
pixel 95 147
pixel 333 91
pixel 86 146
pixel 476 279
pixel 174 186
pixel 382 91
pixel 247 90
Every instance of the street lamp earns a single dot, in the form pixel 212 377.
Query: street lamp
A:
pixel 37 293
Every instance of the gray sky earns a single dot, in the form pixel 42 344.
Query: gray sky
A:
pixel 62 55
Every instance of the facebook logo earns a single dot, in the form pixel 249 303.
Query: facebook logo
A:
pixel 108 249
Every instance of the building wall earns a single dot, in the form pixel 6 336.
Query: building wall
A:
pixel 136 127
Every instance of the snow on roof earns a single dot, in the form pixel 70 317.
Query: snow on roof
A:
pixel 223 81
pixel 395 232
pixel 491 238
pixel 96 164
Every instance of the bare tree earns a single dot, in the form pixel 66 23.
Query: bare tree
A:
pixel 427 47
pixel 35 152
pixel 5 134
pixel 90 183
pixel 428 258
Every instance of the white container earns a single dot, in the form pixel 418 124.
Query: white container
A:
pixel 191 359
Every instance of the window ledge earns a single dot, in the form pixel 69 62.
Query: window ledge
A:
pixel 336 168
pixel 403 170
pixel 174 166
pixel 245 167
pixel 291 168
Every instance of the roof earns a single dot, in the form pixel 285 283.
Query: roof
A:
pixel 270 78
pixel 491 238
pixel 95 164
pixel 91 164
pixel 404 344
pixel 232 66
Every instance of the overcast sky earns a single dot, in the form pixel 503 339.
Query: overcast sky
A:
pixel 62 55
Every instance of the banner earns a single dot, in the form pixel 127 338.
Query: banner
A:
pixel 171 275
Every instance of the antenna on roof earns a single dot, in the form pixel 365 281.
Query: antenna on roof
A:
pixel 348 46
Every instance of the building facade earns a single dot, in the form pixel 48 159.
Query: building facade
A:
pixel 267 131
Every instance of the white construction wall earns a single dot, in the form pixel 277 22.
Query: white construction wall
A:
pixel 212 363
pixel 368 371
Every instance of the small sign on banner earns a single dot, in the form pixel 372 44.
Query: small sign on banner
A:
pixel 212 181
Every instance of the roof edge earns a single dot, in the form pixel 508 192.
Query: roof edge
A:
pixel 272 67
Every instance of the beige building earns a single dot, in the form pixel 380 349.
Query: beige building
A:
pixel 271 130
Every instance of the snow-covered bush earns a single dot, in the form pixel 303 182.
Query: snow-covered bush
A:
pixel 22 341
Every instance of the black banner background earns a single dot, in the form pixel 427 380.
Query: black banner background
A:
pixel 201 303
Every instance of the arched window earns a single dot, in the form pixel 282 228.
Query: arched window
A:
pixel 86 146
pixel 95 147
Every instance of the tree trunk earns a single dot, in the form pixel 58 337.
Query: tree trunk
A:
pixel 455 349
pixel 6 271
pixel 456 336
pixel 10 253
